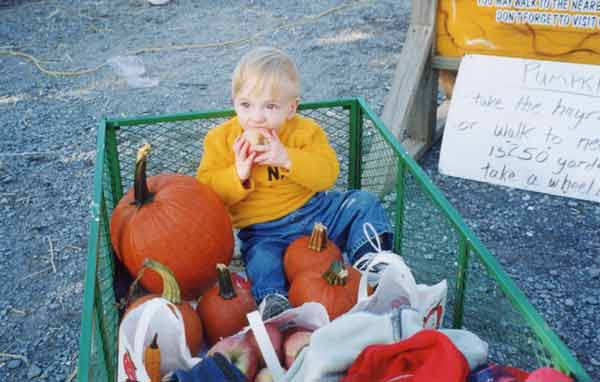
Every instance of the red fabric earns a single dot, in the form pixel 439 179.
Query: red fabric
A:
pixel 428 356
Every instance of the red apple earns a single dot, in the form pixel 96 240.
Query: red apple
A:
pixel 289 331
pixel 276 339
pixel 240 352
pixel 254 137
pixel 548 374
pixel 240 281
pixel 264 375
pixel 293 344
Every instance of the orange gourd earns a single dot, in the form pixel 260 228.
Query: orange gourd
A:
pixel 152 360
pixel 315 252
pixel 224 307
pixel 191 321
pixel 336 289
pixel 177 221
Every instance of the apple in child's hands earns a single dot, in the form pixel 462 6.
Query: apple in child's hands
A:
pixel 255 137
pixel 276 339
pixel 264 375
pixel 293 345
pixel 240 352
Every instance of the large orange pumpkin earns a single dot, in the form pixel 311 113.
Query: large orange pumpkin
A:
pixel 336 289
pixel 191 321
pixel 314 252
pixel 224 307
pixel 177 221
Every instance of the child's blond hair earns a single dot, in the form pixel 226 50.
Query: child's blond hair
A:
pixel 270 69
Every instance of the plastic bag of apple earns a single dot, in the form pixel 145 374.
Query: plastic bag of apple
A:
pixel 264 350
pixel 228 307
pixel 268 351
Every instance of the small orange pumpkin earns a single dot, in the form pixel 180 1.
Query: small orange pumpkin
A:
pixel 314 252
pixel 336 289
pixel 191 321
pixel 177 221
pixel 224 307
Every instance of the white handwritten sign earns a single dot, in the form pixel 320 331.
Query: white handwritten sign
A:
pixel 528 124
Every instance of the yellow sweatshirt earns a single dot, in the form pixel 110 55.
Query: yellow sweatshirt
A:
pixel 273 191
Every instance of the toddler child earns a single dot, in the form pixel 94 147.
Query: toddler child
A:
pixel 275 188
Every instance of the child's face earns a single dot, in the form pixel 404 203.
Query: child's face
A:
pixel 262 109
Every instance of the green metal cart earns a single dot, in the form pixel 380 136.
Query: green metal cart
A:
pixel 430 234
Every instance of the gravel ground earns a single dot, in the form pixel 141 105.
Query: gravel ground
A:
pixel 47 148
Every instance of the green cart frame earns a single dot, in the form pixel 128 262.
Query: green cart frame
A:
pixel 429 233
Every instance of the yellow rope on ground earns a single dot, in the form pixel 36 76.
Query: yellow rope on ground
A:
pixel 303 21
pixel 36 62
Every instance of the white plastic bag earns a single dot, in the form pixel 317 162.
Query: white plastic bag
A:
pixel 136 332
pixel 397 287
pixel 132 69
pixel 334 346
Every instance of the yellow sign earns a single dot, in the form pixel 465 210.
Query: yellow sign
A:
pixel 557 30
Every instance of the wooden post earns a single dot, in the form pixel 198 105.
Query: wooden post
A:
pixel 423 12
pixel 410 108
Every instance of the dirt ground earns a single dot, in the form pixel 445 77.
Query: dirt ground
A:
pixel 66 64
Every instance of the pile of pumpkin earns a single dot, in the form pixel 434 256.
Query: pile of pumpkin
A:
pixel 175 236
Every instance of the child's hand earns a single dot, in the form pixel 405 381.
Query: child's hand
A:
pixel 273 153
pixel 243 158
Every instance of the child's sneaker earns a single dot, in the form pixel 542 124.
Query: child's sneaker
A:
pixel 272 305
pixel 374 263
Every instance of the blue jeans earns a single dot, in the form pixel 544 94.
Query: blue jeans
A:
pixel 343 213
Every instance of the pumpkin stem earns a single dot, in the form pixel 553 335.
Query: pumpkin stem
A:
pixel 226 289
pixel 336 274
pixel 318 238
pixel 171 290
pixel 140 185
pixel 133 286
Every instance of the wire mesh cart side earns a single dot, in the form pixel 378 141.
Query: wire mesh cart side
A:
pixel 429 233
